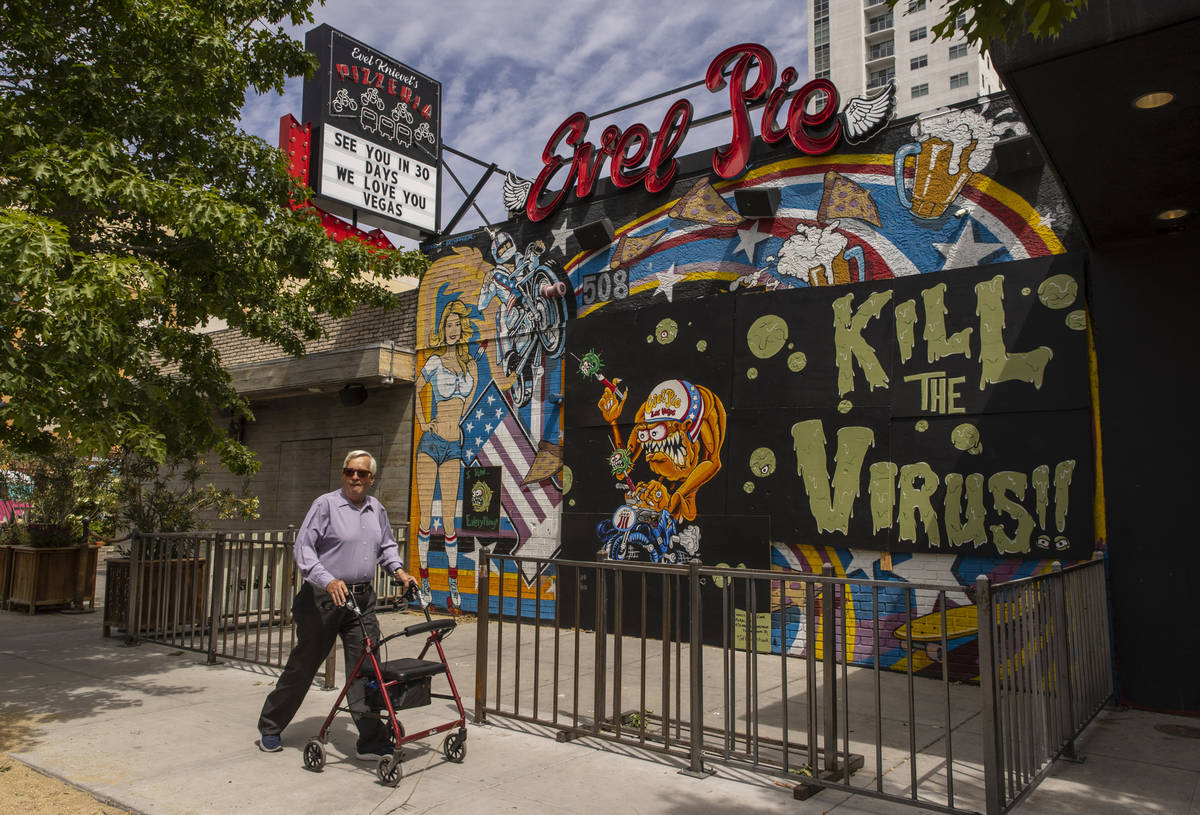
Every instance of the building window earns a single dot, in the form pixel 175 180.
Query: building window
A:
pixel 880 23
pixel 916 5
pixel 877 79
pixel 958 80
pixel 920 90
pixel 958 51
pixel 882 49
pixel 817 102
pixel 918 62
pixel 821 59
pixel 960 21
pixel 821 39
pixel 916 34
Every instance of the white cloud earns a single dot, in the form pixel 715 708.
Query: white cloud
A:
pixel 512 71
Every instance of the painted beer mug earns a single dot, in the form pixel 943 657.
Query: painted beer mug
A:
pixel 950 147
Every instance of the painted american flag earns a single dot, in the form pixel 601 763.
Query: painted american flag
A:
pixel 493 436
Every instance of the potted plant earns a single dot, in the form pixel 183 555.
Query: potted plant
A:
pixel 165 498
pixel 49 560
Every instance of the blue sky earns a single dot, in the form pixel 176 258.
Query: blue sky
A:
pixel 512 71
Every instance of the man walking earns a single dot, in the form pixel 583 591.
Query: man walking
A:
pixel 345 536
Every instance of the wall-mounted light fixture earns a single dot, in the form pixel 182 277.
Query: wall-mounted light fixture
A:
pixel 352 394
pixel 596 235
pixel 757 202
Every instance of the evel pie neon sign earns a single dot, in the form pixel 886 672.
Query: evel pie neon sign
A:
pixel 751 78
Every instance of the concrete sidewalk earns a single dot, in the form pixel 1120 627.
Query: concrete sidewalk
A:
pixel 157 731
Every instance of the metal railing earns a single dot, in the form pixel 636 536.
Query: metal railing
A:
pixel 760 669
pixel 1045 658
pixel 743 667
pixel 226 594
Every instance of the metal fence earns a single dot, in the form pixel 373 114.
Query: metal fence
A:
pixel 225 594
pixel 1045 672
pixel 761 669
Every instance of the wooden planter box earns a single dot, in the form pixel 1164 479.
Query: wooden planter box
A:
pixel 58 576
pixel 172 594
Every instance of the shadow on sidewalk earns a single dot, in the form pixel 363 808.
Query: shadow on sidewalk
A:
pixel 58 668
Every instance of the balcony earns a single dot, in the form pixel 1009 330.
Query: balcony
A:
pixel 881 51
pixel 879 28
pixel 877 79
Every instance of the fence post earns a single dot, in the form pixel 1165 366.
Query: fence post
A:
pixel 133 615
pixel 81 571
pixel 601 626
pixel 988 678
pixel 483 595
pixel 696 671
pixel 1062 676
pixel 218 593
pixel 829 639
pixel 288 568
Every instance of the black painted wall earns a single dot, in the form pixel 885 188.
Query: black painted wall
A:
pixel 1144 298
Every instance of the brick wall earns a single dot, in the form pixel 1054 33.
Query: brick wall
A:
pixel 364 327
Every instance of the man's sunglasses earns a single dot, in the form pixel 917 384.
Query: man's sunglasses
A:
pixel 350 472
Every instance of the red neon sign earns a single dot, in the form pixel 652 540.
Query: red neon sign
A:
pixel 751 78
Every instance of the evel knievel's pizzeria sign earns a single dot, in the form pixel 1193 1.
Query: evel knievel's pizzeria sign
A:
pixel 635 156
pixel 378 137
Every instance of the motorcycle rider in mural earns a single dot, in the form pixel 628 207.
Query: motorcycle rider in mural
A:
pixel 451 373
pixel 679 429
pixel 530 325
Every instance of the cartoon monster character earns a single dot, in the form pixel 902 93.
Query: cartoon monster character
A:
pixel 481 496
pixel 680 429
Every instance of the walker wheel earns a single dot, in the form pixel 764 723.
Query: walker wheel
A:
pixel 314 755
pixel 455 746
pixel 389 770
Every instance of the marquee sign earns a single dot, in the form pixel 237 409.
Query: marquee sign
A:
pixel 379 147
pixel 812 122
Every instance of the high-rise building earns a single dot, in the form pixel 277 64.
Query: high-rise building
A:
pixel 861 45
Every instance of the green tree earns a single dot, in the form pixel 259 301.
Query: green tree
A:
pixel 134 210
pixel 982 21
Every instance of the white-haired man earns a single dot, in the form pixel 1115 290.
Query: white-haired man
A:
pixel 345 537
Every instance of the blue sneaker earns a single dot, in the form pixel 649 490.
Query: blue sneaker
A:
pixel 270 743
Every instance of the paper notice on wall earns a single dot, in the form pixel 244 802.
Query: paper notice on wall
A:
pixel 759 628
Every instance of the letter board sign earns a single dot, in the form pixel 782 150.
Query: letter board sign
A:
pixel 377 145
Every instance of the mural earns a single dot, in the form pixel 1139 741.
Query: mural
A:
pixel 887 373
pixel 852 415
pixel 491 332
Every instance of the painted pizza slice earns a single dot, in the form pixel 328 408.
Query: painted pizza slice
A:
pixel 630 248
pixel 703 204
pixel 844 198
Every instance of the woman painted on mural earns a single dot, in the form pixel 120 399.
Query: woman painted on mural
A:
pixel 451 374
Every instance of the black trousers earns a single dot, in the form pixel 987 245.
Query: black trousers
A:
pixel 318 624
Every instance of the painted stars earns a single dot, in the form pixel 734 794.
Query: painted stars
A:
pixel 966 250
pixel 666 282
pixel 862 560
pixel 560 238
pixel 749 239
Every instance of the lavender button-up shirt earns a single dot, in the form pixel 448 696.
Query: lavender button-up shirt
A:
pixel 339 541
